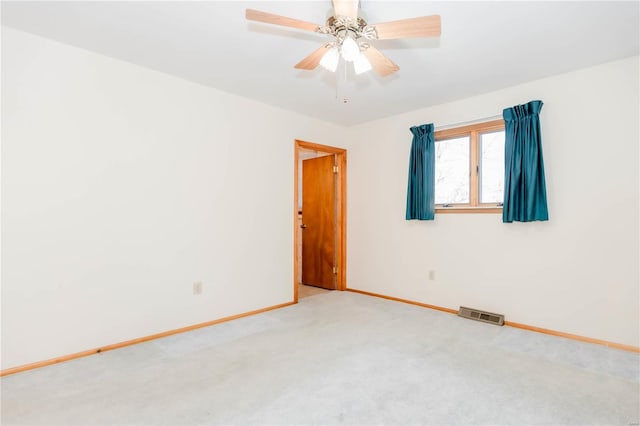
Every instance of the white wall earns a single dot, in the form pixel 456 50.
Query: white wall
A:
pixel 121 187
pixel 576 273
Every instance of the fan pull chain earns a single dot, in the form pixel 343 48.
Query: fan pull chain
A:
pixel 338 81
pixel 345 100
pixel 341 83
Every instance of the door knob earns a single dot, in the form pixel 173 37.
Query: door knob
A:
pixel 303 226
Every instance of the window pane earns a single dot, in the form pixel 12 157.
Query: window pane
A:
pixel 492 167
pixel 452 171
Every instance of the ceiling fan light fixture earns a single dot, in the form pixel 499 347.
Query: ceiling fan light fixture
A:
pixel 349 49
pixel 361 64
pixel 330 60
pixel 351 33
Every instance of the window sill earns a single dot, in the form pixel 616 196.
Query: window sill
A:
pixel 494 210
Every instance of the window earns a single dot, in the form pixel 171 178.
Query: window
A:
pixel 470 168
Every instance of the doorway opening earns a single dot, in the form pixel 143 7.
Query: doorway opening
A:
pixel 320 186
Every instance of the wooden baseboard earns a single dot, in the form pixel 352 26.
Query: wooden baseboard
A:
pixel 411 302
pixel 511 324
pixel 57 360
pixel 574 337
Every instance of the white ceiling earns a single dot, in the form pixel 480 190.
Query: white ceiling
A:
pixel 484 46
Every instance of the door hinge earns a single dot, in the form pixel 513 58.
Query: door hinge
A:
pixel 335 169
pixel 335 270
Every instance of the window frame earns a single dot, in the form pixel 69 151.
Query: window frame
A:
pixel 473 131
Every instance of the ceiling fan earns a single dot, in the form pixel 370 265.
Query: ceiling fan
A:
pixel 353 37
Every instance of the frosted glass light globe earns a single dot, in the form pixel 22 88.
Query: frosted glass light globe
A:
pixel 361 64
pixel 330 60
pixel 349 49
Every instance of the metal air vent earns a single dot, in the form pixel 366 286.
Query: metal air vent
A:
pixel 478 315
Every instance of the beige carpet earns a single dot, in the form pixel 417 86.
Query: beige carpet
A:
pixel 336 358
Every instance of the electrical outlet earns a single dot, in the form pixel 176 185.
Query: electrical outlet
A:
pixel 432 275
pixel 197 287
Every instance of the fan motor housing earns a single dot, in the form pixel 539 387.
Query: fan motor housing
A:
pixel 338 24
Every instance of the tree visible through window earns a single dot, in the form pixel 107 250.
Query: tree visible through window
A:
pixel 491 170
pixel 470 167
pixel 452 171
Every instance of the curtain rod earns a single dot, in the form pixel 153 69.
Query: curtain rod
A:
pixel 468 123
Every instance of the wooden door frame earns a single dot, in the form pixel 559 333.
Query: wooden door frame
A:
pixel 341 202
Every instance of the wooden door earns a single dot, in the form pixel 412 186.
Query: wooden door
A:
pixel 318 222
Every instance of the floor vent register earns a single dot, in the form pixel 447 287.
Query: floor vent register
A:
pixel 478 315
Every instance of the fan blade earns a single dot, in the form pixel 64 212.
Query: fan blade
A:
pixel 346 8
pixel 312 61
pixel 424 26
pixel 270 18
pixel 380 63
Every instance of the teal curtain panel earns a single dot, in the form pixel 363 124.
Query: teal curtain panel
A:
pixel 422 165
pixel 525 193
